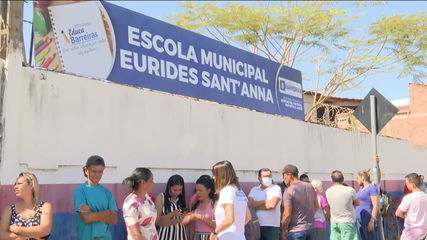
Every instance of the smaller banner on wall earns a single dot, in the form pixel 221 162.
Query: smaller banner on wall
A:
pixel 104 41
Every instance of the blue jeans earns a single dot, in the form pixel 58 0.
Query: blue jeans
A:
pixel 270 233
pixel 302 235
pixel 364 234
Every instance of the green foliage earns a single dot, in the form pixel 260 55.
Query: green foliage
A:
pixel 406 41
pixel 318 33
pixel 267 28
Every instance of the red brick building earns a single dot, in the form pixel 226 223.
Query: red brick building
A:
pixel 411 121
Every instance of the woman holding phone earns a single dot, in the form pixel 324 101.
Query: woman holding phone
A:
pixel 171 207
pixel 201 218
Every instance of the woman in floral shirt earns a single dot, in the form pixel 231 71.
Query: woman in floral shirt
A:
pixel 139 210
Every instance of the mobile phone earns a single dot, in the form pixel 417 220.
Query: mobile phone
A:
pixel 185 210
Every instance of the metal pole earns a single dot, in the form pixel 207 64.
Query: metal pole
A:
pixel 30 61
pixel 376 168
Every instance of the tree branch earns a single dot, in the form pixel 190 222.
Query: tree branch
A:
pixel 296 51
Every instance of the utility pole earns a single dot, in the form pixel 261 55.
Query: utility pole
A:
pixel 376 168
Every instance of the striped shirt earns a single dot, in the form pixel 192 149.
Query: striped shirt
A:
pixel 174 232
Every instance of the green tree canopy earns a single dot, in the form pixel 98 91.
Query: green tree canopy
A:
pixel 317 33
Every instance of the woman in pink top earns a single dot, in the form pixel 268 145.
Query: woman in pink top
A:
pixel 413 209
pixel 322 214
pixel 201 217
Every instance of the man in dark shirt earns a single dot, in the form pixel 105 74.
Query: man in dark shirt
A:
pixel 300 204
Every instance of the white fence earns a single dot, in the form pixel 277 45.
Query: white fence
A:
pixel 53 122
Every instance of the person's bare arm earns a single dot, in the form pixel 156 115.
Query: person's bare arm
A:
pixel 191 217
pixel 403 208
pixel 39 231
pixel 265 204
pixel 400 213
pixel 167 219
pixel 356 202
pixel 377 160
pixel 375 206
pixel 327 212
pixel 159 207
pixel 286 220
pixel 112 218
pixel 254 204
pixel 105 216
pixel 248 216
pixel 90 217
pixel 207 221
pixel 5 234
pixel 374 213
pixel 135 232
pixel 228 220
pixel 315 201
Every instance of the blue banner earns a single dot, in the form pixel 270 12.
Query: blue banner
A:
pixel 141 51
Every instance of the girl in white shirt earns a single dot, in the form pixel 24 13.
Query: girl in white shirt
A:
pixel 231 211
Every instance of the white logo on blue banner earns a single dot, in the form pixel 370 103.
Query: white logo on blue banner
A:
pixel 153 54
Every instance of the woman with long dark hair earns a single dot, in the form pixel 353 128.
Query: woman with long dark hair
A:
pixel 231 211
pixel 139 211
pixel 171 207
pixel 201 217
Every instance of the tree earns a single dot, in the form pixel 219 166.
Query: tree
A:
pixel 316 33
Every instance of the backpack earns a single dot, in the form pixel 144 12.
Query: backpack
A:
pixel 252 228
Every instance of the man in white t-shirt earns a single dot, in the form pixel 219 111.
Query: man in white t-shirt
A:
pixel 342 200
pixel 413 209
pixel 266 199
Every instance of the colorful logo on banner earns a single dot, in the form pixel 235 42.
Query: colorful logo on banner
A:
pixel 109 42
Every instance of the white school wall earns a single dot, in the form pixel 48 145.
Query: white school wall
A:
pixel 53 122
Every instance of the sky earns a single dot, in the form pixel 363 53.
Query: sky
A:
pixel 388 84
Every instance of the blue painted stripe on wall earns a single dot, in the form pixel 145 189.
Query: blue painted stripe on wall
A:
pixel 64 224
pixel 64 227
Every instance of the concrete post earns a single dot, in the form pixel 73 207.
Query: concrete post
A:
pixel 14 16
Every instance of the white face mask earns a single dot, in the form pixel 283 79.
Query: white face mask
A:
pixel 267 181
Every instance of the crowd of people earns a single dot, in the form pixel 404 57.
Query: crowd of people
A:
pixel 294 209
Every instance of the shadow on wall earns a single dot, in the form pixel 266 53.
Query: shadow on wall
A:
pixel 65 224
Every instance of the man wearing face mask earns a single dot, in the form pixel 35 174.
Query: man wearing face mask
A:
pixel 265 199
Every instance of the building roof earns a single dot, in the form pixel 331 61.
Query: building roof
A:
pixel 401 102
pixel 332 98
